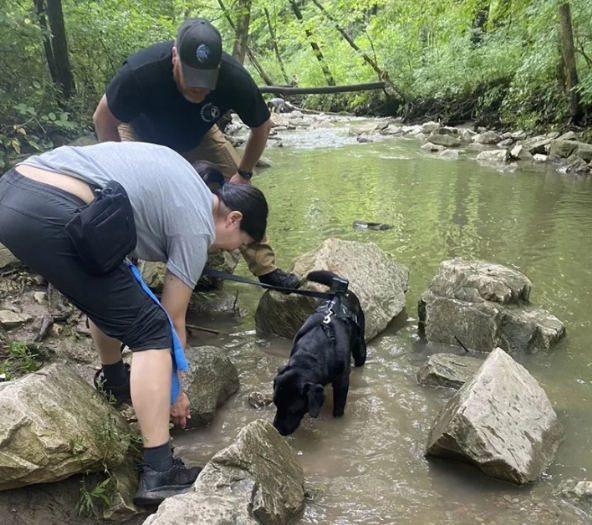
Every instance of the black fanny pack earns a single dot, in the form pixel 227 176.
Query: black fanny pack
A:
pixel 104 231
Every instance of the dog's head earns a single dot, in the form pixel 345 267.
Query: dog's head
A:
pixel 294 397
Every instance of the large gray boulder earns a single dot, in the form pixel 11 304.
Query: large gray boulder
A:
pixel 488 137
pixel 448 370
pixel 153 272
pixel 496 156
pixel 563 149
pixel 379 283
pixel 6 258
pixel 442 139
pixel 255 481
pixel 485 305
pixel 210 381
pixel 430 127
pixel 52 425
pixel 501 421
pixel 539 144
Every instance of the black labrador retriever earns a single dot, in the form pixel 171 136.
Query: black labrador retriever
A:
pixel 320 355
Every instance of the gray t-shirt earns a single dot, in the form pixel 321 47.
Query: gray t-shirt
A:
pixel 172 205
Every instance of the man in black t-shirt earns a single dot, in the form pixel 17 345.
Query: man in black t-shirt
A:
pixel 173 93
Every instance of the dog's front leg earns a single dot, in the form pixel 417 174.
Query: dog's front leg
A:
pixel 340 388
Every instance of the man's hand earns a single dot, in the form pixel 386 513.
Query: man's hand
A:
pixel 180 410
pixel 237 179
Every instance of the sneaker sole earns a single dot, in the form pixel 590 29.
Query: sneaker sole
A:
pixel 156 497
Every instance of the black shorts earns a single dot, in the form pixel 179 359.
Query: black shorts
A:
pixel 32 219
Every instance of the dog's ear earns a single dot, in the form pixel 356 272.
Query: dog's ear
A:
pixel 316 397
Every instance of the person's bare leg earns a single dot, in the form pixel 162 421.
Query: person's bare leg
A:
pixel 151 392
pixel 109 348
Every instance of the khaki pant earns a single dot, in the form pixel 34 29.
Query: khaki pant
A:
pixel 217 150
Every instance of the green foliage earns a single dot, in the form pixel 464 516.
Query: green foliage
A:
pixel 432 50
pixel 94 501
pixel 18 359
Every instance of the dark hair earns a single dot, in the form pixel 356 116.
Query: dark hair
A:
pixel 251 202
pixel 210 174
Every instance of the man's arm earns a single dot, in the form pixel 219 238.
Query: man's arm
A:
pixel 253 150
pixel 106 123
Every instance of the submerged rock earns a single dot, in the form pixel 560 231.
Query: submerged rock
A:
pixel 363 225
pixel 260 400
pixel 578 493
pixel 52 425
pixel 501 421
pixel 210 381
pixel 428 146
pixel 575 164
pixel 255 481
pixel 449 154
pixel 379 283
pixel 485 305
pixel 448 370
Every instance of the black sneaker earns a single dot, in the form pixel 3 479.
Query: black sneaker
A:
pixel 154 486
pixel 117 394
pixel 280 278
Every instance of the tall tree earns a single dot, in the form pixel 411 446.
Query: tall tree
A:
pixel 241 35
pixel 46 35
pixel 315 47
pixel 59 46
pixel 569 57
pixel 275 46
pixel 383 75
pixel 250 54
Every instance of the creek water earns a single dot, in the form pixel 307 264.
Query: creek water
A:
pixel 368 467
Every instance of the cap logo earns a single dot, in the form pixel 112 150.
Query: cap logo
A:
pixel 202 53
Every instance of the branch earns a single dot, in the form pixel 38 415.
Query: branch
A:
pixel 282 90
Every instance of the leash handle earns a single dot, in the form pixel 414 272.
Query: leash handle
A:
pixel 229 277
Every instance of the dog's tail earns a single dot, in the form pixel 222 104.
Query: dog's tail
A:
pixel 322 277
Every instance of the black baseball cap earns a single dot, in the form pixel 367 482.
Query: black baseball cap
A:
pixel 199 46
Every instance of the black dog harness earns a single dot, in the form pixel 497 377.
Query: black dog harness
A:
pixel 335 309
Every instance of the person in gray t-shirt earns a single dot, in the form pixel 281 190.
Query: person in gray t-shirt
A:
pixel 177 220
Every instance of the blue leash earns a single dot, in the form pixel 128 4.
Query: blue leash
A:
pixel 177 353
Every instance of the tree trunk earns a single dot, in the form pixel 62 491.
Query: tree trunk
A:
pixel 40 9
pixel 250 53
pixel 479 24
pixel 59 45
pixel 242 30
pixel 275 46
pixel 569 57
pixel 316 49
pixel 372 63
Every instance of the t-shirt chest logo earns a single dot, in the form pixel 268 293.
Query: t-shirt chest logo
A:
pixel 210 113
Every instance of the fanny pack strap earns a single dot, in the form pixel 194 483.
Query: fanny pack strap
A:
pixel 177 353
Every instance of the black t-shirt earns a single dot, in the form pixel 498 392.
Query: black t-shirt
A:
pixel 144 93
